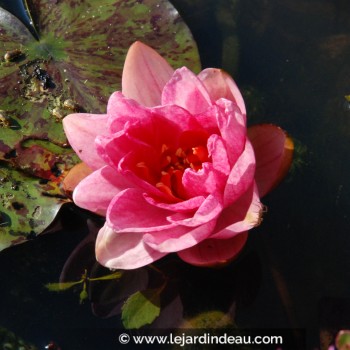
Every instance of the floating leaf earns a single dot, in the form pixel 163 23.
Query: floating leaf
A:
pixel 26 205
pixel 73 64
pixel 141 308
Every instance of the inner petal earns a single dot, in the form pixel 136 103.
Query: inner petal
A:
pixel 190 152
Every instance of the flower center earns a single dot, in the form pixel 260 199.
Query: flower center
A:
pixel 173 163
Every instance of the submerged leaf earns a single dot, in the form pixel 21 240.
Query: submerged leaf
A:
pixel 73 65
pixel 141 308
pixel 58 287
pixel 112 276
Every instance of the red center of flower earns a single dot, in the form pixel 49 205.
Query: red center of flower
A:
pixel 173 162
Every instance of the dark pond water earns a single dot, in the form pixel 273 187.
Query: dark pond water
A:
pixel 292 60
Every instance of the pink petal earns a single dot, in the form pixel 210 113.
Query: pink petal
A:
pixel 212 252
pixel 220 85
pixel 81 130
pixel 185 206
pixel 96 191
pixel 123 250
pixel 184 89
pixel 232 127
pixel 217 152
pixel 179 117
pixel 112 149
pixel 129 212
pixel 244 214
pixel 207 119
pixel 145 74
pixel 182 237
pixel 241 176
pixel 274 153
pixel 121 109
pixel 202 182
pixel 209 210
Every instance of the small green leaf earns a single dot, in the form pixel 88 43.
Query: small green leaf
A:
pixel 141 308
pixel 58 287
pixel 114 275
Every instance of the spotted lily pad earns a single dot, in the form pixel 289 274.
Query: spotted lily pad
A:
pixel 70 60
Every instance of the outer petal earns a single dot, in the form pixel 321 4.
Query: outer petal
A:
pixel 186 90
pixel 182 237
pixel 220 85
pixel 241 176
pixel 217 152
pixel 232 127
pixel 185 206
pixel 123 250
pixel 242 215
pixel 212 252
pixel 274 153
pixel 96 191
pixel 209 210
pixel 81 130
pixel 144 75
pixel 129 212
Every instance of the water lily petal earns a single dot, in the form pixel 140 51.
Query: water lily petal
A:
pixel 145 73
pixel 121 110
pixel 180 118
pixel 232 127
pixel 217 152
pixel 81 130
pixel 209 210
pixel 113 148
pixel 242 215
pixel 129 212
pixel 274 152
pixel 182 237
pixel 241 176
pixel 186 90
pixel 202 182
pixel 185 206
pixel 96 191
pixel 220 85
pixel 126 250
pixel 211 252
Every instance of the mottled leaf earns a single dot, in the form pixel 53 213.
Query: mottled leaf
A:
pixel 27 205
pixel 73 63
pixel 141 308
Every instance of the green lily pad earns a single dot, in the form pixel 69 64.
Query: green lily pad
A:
pixel 141 308
pixel 73 65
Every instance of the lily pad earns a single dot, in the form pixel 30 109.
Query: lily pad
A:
pixel 73 62
pixel 141 308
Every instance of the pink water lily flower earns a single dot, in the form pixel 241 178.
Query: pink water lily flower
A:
pixel 174 168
